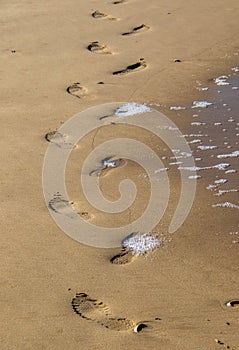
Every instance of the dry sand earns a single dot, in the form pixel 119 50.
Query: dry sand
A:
pixel 181 289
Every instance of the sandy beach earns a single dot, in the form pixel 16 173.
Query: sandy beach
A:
pixel 60 58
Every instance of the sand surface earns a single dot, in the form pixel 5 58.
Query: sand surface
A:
pixel 53 56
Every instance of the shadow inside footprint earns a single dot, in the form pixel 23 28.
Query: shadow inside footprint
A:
pixel 98 14
pixel 77 90
pixel 137 29
pixel 118 2
pixel 123 258
pixel 94 310
pixel 96 47
pixel 141 64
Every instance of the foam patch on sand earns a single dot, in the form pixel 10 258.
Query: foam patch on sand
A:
pixel 222 192
pixel 222 80
pixel 139 244
pixel 192 177
pixel 177 108
pixel 226 205
pixel 230 155
pixel 220 181
pixel 131 109
pixel 220 166
pixel 201 104
pixel 205 148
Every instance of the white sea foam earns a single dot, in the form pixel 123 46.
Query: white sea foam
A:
pixel 211 187
pixel 235 69
pixel 131 109
pixel 175 163
pixel 229 155
pixel 194 177
pixel 220 181
pixel 141 243
pixel 202 88
pixel 221 166
pixel 109 164
pixel 198 123
pixel 168 127
pixel 205 148
pixel 222 192
pixel 201 104
pixel 193 135
pixel 222 80
pixel 230 171
pixel 177 108
pixel 226 205
pixel 195 141
pixel 160 170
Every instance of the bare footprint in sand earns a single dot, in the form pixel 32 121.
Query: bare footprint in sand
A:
pixel 95 310
pixel 60 205
pixel 99 15
pixel 59 139
pixel 123 258
pixel 108 164
pixel 118 2
pixel 77 90
pixel 96 47
pixel 141 64
pixel 137 29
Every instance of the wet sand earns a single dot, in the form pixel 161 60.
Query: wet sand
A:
pixel 59 59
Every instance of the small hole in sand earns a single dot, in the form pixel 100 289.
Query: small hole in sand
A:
pixel 233 303
pixel 140 327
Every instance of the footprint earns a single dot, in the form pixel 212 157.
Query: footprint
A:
pixel 77 90
pixel 59 139
pixel 97 14
pixel 118 2
pixel 123 258
pixel 49 136
pixel 138 29
pixel 141 64
pixel 94 310
pixel 108 164
pixel 96 47
pixel 60 205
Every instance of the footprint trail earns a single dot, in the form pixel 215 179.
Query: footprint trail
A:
pixel 97 311
pixel 137 29
pixel 141 64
